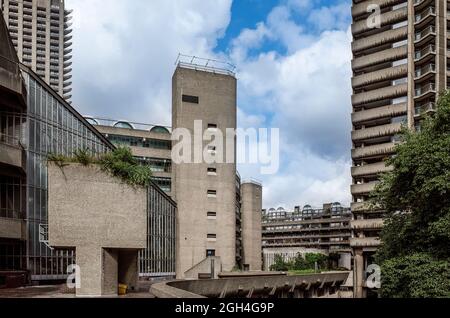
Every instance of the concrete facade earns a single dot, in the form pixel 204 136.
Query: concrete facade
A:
pixel 309 230
pixel 399 69
pixel 251 198
pixel 151 145
pixel 256 286
pixel 41 33
pixel 206 201
pixel 105 221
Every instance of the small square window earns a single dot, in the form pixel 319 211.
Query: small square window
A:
pixel 212 215
pixel 212 236
pixel 212 171
pixel 210 253
pixel 212 126
pixel 212 193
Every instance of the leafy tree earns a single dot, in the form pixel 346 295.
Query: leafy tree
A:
pixel 280 265
pixel 415 250
pixel 300 263
pixel 320 259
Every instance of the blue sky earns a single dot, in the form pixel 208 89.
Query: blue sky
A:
pixel 293 70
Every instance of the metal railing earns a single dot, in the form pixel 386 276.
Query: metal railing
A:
pixel 204 64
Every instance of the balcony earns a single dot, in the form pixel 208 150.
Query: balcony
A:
pixel 12 83
pixel 360 207
pixel 421 4
pixel 377 131
pixel 426 91
pixel 385 56
pixel 390 17
pixel 425 72
pixel 370 169
pixel 379 112
pixel 424 17
pixel 379 39
pixel 363 188
pixel 373 151
pixel 364 242
pixel 14 229
pixel 388 92
pixel 389 73
pixel 421 36
pixel 367 224
pixel 11 152
pixel 424 109
pixel 428 51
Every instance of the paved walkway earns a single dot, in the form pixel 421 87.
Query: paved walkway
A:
pixel 61 291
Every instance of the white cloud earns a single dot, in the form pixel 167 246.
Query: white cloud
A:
pixel 307 94
pixel 124 52
pixel 124 57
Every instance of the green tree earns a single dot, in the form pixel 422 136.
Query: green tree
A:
pixel 280 265
pixel 300 263
pixel 320 259
pixel 415 250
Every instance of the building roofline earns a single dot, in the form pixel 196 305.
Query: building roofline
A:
pixel 162 192
pixel 74 112
pixel 206 65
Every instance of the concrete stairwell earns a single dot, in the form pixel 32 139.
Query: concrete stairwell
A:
pixel 209 268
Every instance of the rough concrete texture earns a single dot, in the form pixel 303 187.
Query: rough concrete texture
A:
pixel 101 217
pixel 324 285
pixel 251 196
pixel 217 105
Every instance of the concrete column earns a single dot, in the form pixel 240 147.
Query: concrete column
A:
pixel 358 268
pixel 89 260
pixel 411 67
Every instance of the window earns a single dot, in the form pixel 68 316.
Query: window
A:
pixel 160 130
pixel 210 253
pixel 123 124
pixel 212 237
pixel 212 171
pixel 212 215
pixel 190 99
pixel 212 193
pixel 212 126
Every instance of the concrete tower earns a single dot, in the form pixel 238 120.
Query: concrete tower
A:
pixel 251 196
pixel 399 67
pixel 41 33
pixel 205 193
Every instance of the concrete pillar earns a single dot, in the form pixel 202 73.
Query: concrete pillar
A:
pixel 89 260
pixel 251 196
pixel 358 268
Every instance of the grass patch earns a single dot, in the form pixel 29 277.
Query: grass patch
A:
pixel 303 272
pixel 119 163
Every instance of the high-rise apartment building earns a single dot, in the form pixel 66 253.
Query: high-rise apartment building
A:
pixel 400 56
pixel 41 33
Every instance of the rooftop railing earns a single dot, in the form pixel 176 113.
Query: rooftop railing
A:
pixel 204 64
